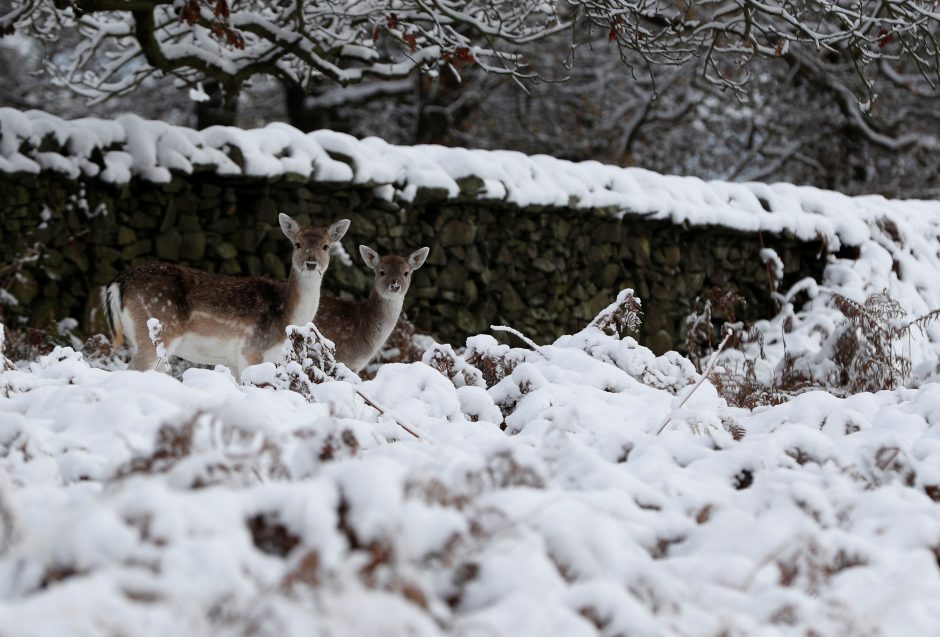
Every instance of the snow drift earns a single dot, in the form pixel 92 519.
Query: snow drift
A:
pixel 537 500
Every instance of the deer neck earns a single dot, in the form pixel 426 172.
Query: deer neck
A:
pixel 303 297
pixel 382 313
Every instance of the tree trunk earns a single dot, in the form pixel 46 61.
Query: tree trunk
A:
pixel 300 113
pixel 440 109
pixel 218 110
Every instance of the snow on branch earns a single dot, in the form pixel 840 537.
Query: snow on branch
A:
pixel 230 41
pixel 123 42
pixel 726 36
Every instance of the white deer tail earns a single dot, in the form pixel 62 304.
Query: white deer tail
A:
pixel 113 304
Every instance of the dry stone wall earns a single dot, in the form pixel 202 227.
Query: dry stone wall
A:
pixel 546 271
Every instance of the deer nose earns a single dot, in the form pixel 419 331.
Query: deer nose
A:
pixel 311 264
pixel 394 286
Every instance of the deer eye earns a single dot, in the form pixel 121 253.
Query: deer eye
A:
pixel 326 246
pixel 381 272
pixel 296 244
pixel 407 273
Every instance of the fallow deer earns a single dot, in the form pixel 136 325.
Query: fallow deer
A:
pixel 216 319
pixel 359 329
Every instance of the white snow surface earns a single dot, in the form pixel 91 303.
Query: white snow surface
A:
pixel 135 503
pixel 542 504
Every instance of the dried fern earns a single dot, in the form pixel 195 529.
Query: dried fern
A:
pixel 921 322
pixel 715 304
pixel 5 364
pixel 866 352
pixel 744 389
pixel 622 317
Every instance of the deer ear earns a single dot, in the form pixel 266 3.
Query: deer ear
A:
pixel 338 229
pixel 416 259
pixel 370 256
pixel 289 227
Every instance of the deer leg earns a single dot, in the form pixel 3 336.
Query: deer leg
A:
pixel 145 356
pixel 145 359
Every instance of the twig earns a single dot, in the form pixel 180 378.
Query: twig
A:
pixel 889 458
pixel 708 370
pixel 770 279
pixel 385 412
pixel 764 561
pixel 525 339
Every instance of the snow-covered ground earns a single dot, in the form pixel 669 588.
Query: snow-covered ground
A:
pixel 537 499
pixel 584 487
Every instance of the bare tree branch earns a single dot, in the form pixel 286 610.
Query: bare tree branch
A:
pixel 347 41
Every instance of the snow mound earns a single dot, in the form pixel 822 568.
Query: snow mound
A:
pixel 537 500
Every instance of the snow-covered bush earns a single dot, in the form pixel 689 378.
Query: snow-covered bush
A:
pixel 308 358
pixel 866 350
pixel 537 499
pixel 622 317
pixel 869 349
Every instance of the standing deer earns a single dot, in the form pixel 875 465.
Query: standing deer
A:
pixel 359 329
pixel 211 318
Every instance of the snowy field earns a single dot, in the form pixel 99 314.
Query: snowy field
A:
pixel 538 498
pixel 584 487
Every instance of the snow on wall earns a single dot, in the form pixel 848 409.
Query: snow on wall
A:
pixel 127 147
pixel 896 244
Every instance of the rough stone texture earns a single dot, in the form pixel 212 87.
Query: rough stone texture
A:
pixel 544 271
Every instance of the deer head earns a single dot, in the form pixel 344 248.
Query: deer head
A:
pixel 393 273
pixel 311 245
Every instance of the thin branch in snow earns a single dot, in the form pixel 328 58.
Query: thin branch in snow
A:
pixel 708 370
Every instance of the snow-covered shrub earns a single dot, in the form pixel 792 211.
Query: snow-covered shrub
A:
pixel 30 343
pixel 867 348
pixel 203 505
pixel 714 306
pixel 743 388
pixel 622 317
pixel 606 339
pixel 205 450
pixel 308 358
pixel 5 365
pixel 314 353
pixel 444 359
pixel 155 334
pixel 491 358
